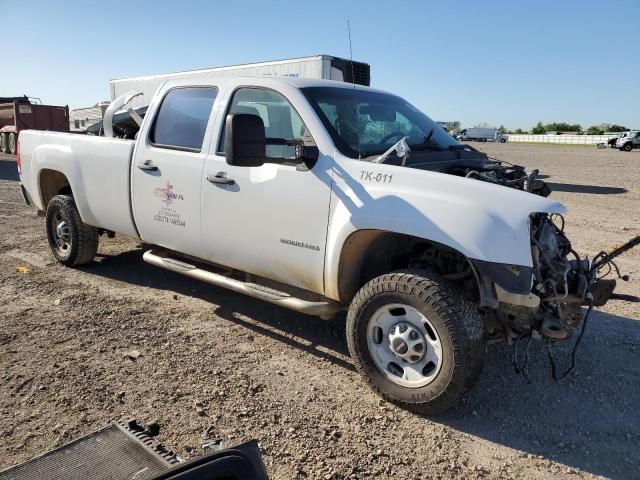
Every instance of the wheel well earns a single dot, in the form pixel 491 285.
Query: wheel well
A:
pixel 52 183
pixel 370 253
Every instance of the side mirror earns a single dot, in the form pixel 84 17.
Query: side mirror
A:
pixel 245 140
pixel 245 144
pixel 306 157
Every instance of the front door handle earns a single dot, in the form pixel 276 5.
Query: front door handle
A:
pixel 221 179
pixel 147 166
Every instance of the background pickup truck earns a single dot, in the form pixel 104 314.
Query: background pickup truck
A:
pixel 322 196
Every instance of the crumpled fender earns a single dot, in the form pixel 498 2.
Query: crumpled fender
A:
pixel 481 220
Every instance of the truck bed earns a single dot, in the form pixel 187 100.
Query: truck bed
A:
pixel 97 168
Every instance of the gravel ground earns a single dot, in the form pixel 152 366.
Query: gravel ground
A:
pixel 246 369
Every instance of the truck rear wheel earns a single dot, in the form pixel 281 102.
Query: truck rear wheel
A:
pixel 72 242
pixel 415 340
pixel 12 143
pixel 4 143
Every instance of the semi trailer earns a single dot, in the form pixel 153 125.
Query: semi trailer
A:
pixel 324 67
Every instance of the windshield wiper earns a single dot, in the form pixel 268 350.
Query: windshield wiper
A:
pixel 428 144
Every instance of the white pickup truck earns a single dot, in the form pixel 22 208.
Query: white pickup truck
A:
pixel 628 141
pixel 321 196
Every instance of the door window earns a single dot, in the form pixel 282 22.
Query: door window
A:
pixel 280 119
pixel 182 118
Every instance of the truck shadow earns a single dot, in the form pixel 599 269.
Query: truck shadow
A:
pixel 321 338
pixel 8 169
pixel 592 189
pixel 588 421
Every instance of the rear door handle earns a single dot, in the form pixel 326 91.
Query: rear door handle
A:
pixel 221 179
pixel 147 166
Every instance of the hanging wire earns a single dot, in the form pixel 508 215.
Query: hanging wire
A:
pixel 554 369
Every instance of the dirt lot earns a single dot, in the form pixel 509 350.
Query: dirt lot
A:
pixel 286 379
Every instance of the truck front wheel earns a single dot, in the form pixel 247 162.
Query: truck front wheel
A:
pixel 415 340
pixel 72 242
pixel 627 147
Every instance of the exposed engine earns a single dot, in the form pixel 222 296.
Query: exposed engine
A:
pixel 513 176
pixel 562 279
pixel 471 163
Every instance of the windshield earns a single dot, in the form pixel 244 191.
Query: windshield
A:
pixel 382 120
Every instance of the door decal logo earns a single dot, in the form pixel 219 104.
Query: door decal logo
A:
pixel 167 214
pixel 167 194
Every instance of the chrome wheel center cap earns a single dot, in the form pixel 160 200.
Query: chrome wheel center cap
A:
pixel 61 229
pixel 407 342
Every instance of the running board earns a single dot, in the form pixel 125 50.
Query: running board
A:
pixel 324 309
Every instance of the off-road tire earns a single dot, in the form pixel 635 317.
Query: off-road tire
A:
pixel 456 321
pixel 83 238
pixel 627 147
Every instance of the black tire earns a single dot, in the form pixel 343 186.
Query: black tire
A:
pixel 4 141
pixel 627 147
pixel 80 240
pixel 457 324
pixel 12 143
pixel 502 140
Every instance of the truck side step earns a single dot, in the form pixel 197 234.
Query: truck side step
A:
pixel 325 309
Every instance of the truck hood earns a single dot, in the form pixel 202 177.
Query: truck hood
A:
pixel 482 220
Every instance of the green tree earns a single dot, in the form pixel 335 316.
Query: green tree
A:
pixel 617 128
pixel 501 129
pixel 539 129
pixel 482 125
pixel 594 131
pixel 563 127
pixel 519 131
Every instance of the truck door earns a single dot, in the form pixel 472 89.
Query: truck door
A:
pixel 166 174
pixel 272 221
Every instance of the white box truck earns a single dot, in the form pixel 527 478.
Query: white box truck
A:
pixel 325 67
pixel 481 135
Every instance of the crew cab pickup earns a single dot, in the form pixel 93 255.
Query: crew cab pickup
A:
pixel 321 196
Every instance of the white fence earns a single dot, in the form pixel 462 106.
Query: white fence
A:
pixel 561 139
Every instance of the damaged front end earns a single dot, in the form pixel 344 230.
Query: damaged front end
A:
pixel 561 279
pixel 561 282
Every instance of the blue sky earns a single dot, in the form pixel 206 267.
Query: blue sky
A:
pixel 511 63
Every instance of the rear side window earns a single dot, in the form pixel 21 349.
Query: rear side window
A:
pixel 182 118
